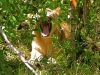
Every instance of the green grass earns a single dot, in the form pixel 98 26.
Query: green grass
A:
pixel 86 64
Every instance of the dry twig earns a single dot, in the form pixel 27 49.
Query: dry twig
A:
pixel 17 52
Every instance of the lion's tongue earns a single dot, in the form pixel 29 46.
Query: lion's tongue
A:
pixel 45 32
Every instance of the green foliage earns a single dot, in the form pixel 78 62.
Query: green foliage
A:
pixel 87 41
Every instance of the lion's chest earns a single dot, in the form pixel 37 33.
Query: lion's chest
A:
pixel 43 45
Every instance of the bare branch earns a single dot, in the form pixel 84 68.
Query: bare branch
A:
pixel 17 52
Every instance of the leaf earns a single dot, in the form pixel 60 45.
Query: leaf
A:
pixel 12 19
pixel 83 33
pixel 89 39
pixel 74 3
pixel 1 54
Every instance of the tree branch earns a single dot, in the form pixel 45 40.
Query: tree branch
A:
pixel 17 52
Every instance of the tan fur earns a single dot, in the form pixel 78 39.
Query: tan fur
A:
pixel 42 46
pixel 66 28
pixel 53 13
pixel 63 32
pixel 45 43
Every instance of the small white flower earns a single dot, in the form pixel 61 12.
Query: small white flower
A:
pixel 3 27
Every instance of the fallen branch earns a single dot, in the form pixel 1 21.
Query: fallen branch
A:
pixel 17 52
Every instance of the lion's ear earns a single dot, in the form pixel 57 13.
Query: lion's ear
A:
pixel 53 13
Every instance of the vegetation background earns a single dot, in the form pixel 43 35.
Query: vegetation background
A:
pixel 81 53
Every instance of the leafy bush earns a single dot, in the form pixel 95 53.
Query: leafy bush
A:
pixel 81 56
